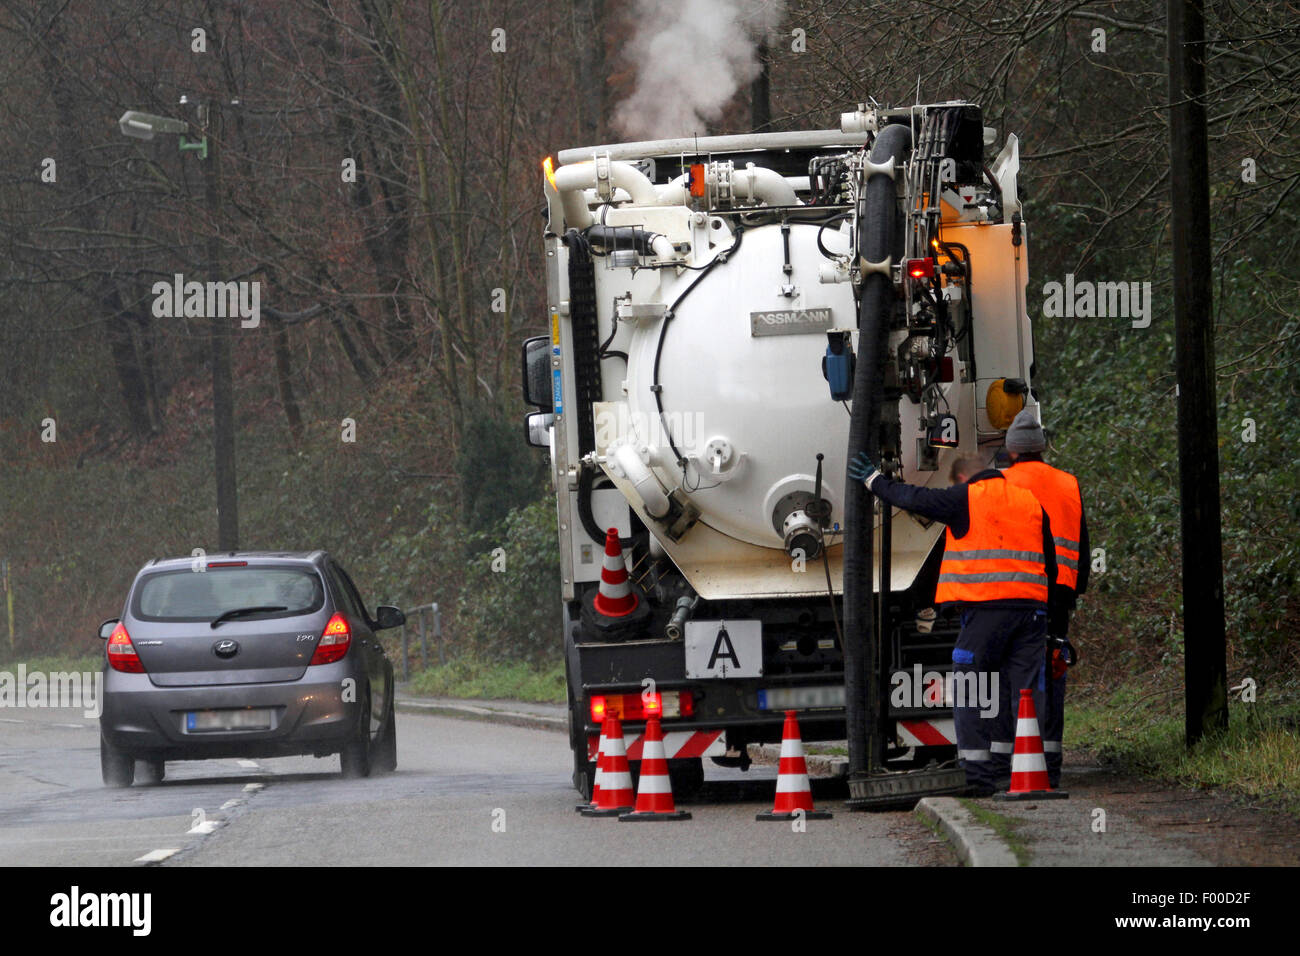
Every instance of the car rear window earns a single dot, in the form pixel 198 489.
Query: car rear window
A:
pixel 187 595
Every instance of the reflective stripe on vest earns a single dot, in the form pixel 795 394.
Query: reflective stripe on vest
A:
pixel 1058 492
pixel 1001 556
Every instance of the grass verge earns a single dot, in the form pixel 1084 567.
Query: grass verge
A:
pixel 53 663
pixel 480 680
pixel 1004 827
pixel 1141 731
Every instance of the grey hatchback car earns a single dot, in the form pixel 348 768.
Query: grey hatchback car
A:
pixel 245 654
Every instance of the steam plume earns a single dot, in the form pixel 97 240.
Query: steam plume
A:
pixel 691 56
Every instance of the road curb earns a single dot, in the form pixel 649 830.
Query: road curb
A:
pixel 819 765
pixel 974 843
pixel 467 711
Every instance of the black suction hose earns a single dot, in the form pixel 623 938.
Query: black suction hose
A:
pixel 879 238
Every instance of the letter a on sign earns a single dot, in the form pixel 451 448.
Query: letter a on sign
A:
pixel 723 651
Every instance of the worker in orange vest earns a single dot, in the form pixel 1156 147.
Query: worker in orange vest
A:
pixel 998 564
pixel 1058 492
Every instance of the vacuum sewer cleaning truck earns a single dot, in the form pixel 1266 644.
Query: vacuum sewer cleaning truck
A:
pixel 731 319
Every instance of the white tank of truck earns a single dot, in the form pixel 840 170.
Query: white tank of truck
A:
pixel 720 297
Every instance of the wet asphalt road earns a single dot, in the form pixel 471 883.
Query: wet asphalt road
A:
pixel 465 793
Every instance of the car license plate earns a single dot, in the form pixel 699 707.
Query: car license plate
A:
pixel 800 698
pixel 724 649
pixel 200 721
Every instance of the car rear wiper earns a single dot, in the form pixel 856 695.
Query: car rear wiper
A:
pixel 241 611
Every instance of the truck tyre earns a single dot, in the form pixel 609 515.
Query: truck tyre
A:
pixel 584 775
pixel 354 758
pixel 116 767
pixel 584 770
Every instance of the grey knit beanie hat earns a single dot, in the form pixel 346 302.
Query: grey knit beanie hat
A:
pixel 1025 434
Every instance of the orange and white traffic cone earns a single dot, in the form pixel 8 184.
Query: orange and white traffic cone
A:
pixel 615 598
pixel 615 794
pixel 793 793
pixel 654 796
pixel 600 772
pixel 1028 765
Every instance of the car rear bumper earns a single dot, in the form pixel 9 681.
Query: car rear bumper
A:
pixel 308 716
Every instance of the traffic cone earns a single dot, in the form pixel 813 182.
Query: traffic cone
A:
pixel 1028 765
pixel 615 598
pixel 654 796
pixel 615 794
pixel 792 790
pixel 600 772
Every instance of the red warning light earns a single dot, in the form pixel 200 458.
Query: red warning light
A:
pixel 698 186
pixel 920 268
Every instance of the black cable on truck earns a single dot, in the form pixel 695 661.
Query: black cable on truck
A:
pixel 655 387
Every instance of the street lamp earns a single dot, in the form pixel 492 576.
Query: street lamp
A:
pixel 145 126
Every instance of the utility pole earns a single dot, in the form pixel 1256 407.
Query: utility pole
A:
pixel 223 391
pixel 1198 449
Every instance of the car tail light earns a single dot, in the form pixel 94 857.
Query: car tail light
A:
pixel 334 641
pixel 670 703
pixel 121 652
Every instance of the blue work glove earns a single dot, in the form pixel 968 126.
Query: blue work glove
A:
pixel 863 469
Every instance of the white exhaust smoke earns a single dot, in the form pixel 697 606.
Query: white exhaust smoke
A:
pixel 691 57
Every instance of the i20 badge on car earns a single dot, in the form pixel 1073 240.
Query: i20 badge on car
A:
pixel 225 648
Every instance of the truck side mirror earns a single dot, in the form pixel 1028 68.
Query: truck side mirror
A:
pixel 537 372
pixel 537 428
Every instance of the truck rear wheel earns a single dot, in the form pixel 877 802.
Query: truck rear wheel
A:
pixel 584 770
pixel 584 773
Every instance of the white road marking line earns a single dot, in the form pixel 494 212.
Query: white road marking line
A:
pixel 157 856
pixel 253 787
pixel 11 720
pixel 229 804
pixel 73 726
pixel 247 763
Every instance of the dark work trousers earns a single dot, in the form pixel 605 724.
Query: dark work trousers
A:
pixel 1054 719
pixel 1001 649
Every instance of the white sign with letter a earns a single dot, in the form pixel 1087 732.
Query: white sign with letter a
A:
pixel 724 649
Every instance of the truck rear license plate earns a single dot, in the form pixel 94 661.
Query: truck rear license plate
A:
pixel 724 649
pixel 800 698
pixel 200 721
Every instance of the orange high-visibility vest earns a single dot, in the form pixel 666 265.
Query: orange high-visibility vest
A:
pixel 1058 492
pixel 1001 557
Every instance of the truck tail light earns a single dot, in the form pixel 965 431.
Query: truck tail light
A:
pixel 334 641
pixel 121 652
pixel 669 703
